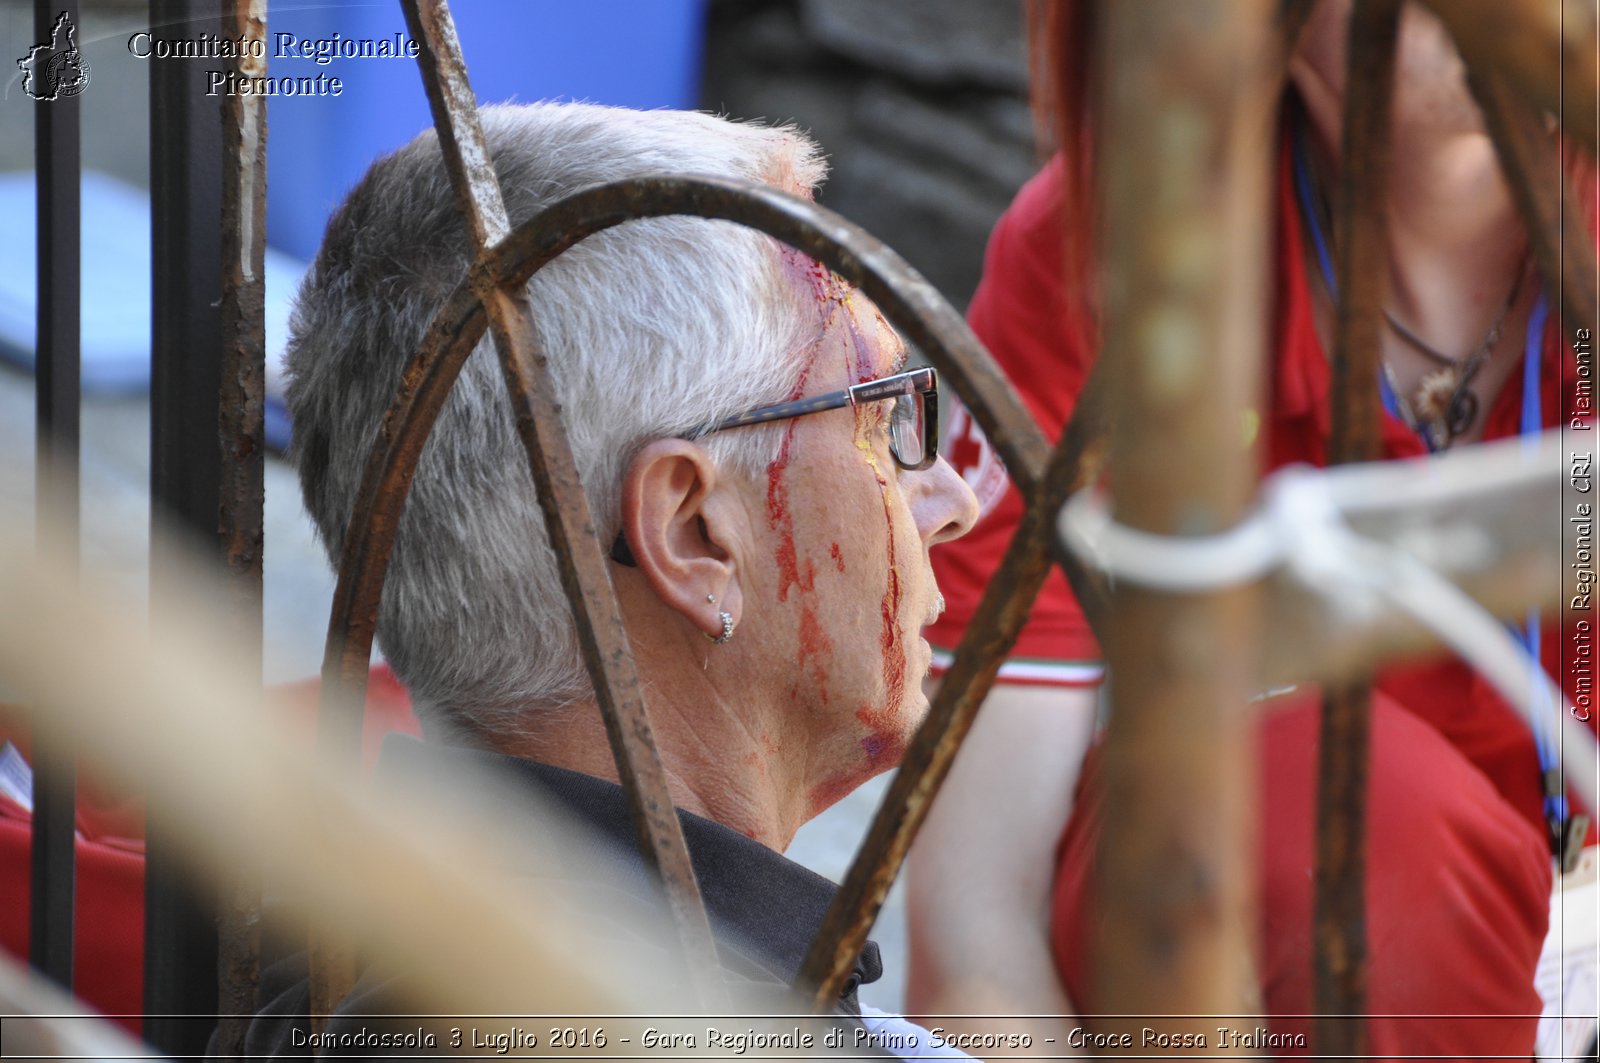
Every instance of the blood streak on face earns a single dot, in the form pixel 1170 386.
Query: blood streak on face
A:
pixel 891 642
pixel 816 649
pixel 866 362
pixel 779 517
pixel 837 555
pixel 830 293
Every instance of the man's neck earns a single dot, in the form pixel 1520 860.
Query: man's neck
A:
pixel 717 767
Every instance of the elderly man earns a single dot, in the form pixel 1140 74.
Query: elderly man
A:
pixel 773 576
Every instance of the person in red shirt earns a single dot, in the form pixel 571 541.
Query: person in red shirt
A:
pixel 1458 855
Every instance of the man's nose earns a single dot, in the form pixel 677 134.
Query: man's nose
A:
pixel 946 509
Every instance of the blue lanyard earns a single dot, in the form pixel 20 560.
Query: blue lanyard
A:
pixel 1302 187
pixel 1555 800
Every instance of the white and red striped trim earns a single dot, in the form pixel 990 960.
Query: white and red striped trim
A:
pixel 1034 671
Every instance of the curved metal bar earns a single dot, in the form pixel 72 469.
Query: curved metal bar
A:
pixel 364 561
pixel 989 636
pixel 909 302
pixel 1544 51
pixel 906 300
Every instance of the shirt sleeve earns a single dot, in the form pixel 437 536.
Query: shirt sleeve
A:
pixel 1023 315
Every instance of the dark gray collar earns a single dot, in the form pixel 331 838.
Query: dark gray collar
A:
pixel 761 904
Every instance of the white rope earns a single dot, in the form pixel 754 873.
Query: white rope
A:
pixel 1300 526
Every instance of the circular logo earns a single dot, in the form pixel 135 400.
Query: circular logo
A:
pixel 66 75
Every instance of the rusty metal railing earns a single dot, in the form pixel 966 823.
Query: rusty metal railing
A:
pixel 907 301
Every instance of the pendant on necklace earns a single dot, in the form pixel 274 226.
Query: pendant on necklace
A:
pixel 1461 412
pixel 1443 406
pixel 1433 398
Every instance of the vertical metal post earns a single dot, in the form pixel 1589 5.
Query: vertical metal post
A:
pixel 241 426
pixel 1339 980
pixel 1189 99
pixel 52 883
pixel 185 466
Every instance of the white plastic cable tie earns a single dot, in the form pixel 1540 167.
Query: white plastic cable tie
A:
pixel 1184 564
pixel 1319 548
pixel 1299 524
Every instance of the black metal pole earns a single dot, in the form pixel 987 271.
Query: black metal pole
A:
pixel 56 174
pixel 185 469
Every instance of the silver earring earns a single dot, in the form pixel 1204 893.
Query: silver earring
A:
pixel 712 598
pixel 727 629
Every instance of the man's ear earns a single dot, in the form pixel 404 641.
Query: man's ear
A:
pixel 683 527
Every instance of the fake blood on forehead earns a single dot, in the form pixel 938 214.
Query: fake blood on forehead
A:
pixel 826 287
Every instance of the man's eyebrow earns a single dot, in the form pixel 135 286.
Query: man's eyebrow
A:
pixel 899 363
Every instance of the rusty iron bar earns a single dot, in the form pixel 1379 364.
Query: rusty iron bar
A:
pixel 1193 84
pixel 1339 927
pixel 242 492
pixel 585 572
pixel 988 638
pixel 1544 50
pixel 57 369
pixel 1562 247
pixel 907 301
pixel 418 868
pixel 1360 233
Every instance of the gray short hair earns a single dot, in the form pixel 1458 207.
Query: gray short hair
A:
pixel 652 329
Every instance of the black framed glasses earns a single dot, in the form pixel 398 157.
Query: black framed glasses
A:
pixel 913 422
pixel 913 419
